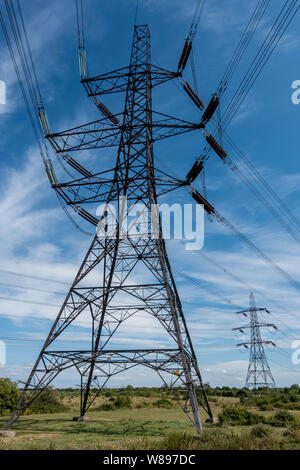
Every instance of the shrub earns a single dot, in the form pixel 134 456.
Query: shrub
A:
pixel 241 394
pixel 261 431
pixel 106 407
pixel 163 403
pixel 143 404
pixel 238 416
pixel 282 419
pixel 264 405
pixel 47 402
pixel 295 387
pixel 9 395
pixel 294 398
pixel 292 435
pixel 228 393
pixel 123 401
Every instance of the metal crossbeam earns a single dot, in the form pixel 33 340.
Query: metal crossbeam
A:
pixel 102 134
pixel 120 277
pixel 116 81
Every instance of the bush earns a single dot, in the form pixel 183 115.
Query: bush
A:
pixel 163 403
pixel 261 431
pixel 292 435
pixel 123 401
pixel 228 393
pixel 283 419
pixel 106 407
pixel 241 394
pixel 47 402
pixel 264 405
pixel 9 395
pixel 238 416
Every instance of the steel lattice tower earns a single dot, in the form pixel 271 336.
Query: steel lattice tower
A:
pixel 110 286
pixel 259 372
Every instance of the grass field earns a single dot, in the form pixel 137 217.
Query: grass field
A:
pixel 143 428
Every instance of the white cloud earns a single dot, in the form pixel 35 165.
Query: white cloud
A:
pixel 36 243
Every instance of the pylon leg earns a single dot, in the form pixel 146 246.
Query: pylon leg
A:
pixel 125 276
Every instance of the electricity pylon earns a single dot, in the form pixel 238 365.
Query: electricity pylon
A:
pixel 259 372
pixel 121 276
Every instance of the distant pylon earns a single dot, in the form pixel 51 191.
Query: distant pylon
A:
pixel 259 372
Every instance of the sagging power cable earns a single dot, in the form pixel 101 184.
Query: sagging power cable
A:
pixel 272 39
pixel 246 37
pixel 187 48
pixel 224 270
pixel 205 287
pixel 256 250
pixel 31 91
pixel 277 30
pixel 210 209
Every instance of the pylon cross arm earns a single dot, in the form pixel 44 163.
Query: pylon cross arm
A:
pixel 117 80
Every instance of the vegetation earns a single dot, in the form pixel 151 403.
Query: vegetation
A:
pixel 287 398
pixel 9 395
pixel 149 418
pixel 238 416
pixel 120 402
pixel 283 419
pixel 47 402
pixel 234 416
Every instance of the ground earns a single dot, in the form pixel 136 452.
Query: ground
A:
pixel 142 428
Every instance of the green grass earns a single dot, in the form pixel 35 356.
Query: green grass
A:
pixel 102 430
pixel 145 428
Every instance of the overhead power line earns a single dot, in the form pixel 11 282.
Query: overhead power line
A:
pixel 279 27
pixel 205 287
pixel 272 39
pixel 257 251
pixel 241 48
pixel 31 276
pixel 34 289
pixel 279 215
pixel 252 289
pixel 26 301
pixel 257 176
pixel 256 184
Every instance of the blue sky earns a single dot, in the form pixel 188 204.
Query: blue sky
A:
pixel 38 240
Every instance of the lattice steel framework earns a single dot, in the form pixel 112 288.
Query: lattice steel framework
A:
pixel 259 372
pixel 107 290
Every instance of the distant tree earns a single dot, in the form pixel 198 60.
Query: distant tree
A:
pixel 241 393
pixel 228 393
pixel 9 395
pixel 47 402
